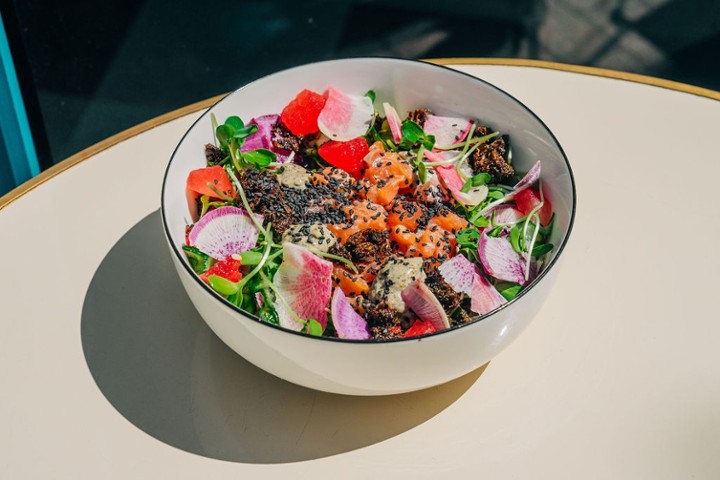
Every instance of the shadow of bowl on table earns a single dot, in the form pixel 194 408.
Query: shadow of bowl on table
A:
pixel 163 369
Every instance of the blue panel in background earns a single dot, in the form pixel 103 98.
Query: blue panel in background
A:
pixel 7 182
pixel 18 159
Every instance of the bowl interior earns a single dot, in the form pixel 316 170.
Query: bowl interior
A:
pixel 407 85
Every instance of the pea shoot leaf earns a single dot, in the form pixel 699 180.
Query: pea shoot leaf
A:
pixel 260 157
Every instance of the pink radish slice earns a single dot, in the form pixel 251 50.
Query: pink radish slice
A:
pixel 224 231
pixel 345 117
pixel 348 323
pixel 500 260
pixel 420 299
pixel 451 180
pixel 393 120
pixel 459 273
pixel 439 156
pixel 304 281
pixel 447 130
pixel 484 297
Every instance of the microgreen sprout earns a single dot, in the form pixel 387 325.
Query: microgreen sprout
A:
pixel 331 256
pixel 260 157
pixel 220 194
pixel 244 199
pixel 480 179
pixel 414 134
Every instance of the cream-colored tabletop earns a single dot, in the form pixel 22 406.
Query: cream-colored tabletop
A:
pixel 106 371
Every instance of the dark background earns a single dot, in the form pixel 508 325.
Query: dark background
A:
pixel 89 70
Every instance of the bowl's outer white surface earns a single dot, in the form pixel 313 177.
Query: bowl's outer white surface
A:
pixel 388 367
pixel 356 368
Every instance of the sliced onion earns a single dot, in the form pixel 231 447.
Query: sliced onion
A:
pixel 224 231
pixel 347 322
pixel 426 306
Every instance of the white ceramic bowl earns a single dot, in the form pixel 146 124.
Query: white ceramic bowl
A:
pixel 375 368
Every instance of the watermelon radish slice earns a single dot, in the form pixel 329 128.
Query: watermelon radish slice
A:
pixel 500 260
pixel 393 120
pixel 459 273
pixel 506 214
pixel 484 297
pixel 465 277
pixel 224 231
pixel 447 130
pixel 304 281
pixel 344 116
pixel 451 180
pixel 348 323
pixel 425 304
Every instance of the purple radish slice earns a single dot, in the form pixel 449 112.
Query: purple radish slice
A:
pixel 459 273
pixel 447 130
pixel 451 180
pixel 500 260
pixel 224 231
pixel 506 214
pixel 393 120
pixel 348 323
pixel 484 297
pixel 465 277
pixel 304 281
pixel 345 117
pixel 532 176
pixel 263 138
pixel 420 299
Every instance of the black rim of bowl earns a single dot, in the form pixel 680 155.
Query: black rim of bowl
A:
pixel 450 330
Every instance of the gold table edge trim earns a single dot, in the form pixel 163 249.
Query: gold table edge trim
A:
pixel 83 155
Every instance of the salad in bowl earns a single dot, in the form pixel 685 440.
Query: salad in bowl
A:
pixel 336 219
pixel 348 213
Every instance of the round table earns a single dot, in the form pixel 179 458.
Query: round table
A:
pixel 107 371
